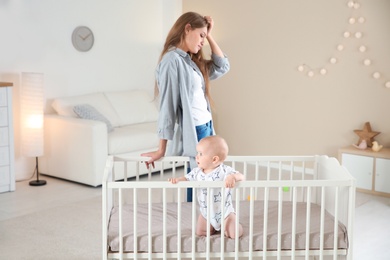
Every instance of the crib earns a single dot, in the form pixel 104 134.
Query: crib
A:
pixel 290 207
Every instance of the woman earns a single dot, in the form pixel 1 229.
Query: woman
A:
pixel 182 83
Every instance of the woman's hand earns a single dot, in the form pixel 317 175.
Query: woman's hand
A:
pixel 154 156
pixel 210 21
pixel 213 44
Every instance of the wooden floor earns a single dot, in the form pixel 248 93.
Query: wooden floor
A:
pixel 372 220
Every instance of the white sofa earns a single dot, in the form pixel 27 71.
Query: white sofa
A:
pixel 76 148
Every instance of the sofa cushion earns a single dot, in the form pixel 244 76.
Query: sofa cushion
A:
pixel 64 106
pixel 132 138
pixel 133 106
pixel 87 111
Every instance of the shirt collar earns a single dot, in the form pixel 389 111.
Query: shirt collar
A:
pixel 181 52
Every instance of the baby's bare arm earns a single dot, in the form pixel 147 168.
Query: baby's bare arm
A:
pixel 176 180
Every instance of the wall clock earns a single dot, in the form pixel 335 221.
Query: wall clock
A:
pixel 82 38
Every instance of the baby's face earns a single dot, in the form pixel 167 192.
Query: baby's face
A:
pixel 204 158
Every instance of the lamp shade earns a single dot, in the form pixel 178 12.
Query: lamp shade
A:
pixel 32 103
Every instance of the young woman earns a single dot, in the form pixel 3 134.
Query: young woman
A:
pixel 182 84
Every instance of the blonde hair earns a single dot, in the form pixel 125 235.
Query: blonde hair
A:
pixel 176 36
pixel 217 145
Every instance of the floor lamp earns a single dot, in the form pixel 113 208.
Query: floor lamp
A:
pixel 32 102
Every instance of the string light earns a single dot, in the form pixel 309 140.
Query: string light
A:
pixel 376 75
pixel 367 62
pixel 362 48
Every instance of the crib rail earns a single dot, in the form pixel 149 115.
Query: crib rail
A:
pixel 307 180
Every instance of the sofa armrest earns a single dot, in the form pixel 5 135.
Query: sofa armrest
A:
pixel 75 149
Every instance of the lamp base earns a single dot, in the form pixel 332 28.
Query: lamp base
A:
pixel 37 183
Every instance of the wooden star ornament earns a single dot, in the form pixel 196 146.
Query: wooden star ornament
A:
pixel 366 134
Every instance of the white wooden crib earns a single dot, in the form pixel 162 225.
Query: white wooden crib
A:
pixel 290 207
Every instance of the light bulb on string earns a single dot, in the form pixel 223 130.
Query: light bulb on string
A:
pixel 346 34
pixel 367 62
pixel 340 47
pixel 387 84
pixel 310 73
pixel 358 35
pixel 376 75
pixel 361 19
pixel 350 4
pixel 356 6
pixel 352 20
pixel 362 48
pixel 323 71
pixel 333 60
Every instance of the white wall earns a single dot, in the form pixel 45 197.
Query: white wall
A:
pixel 36 37
pixel 264 106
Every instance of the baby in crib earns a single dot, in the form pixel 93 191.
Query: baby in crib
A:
pixel 211 153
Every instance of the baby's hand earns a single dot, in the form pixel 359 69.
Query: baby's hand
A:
pixel 173 180
pixel 230 181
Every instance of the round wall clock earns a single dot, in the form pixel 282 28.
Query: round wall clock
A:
pixel 82 38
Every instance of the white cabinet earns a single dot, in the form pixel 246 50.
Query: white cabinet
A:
pixel 382 175
pixel 7 175
pixel 370 169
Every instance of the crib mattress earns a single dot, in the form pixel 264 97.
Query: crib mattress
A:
pixel 186 231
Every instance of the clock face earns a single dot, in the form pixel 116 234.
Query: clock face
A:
pixel 82 38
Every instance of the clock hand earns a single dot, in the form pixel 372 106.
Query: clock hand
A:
pixel 84 38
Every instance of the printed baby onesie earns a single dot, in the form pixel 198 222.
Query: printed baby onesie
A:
pixel 219 174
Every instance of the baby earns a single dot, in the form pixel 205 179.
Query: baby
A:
pixel 211 153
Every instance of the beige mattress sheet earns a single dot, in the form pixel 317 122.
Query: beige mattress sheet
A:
pixel 186 231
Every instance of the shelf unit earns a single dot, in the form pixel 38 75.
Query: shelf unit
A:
pixel 7 173
pixel 370 169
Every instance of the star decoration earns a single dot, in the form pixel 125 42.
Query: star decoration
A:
pixel 366 134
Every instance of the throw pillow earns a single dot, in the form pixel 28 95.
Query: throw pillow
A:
pixel 86 111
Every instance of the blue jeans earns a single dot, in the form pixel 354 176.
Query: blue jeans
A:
pixel 201 132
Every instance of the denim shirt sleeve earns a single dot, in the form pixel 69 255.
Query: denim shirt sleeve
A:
pixel 169 96
pixel 219 67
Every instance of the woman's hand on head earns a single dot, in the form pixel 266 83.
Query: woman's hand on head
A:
pixel 210 21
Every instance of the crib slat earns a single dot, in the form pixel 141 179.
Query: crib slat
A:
pixel 223 201
pixel 193 250
pixel 135 232
pixel 237 225
pixel 322 223
pixel 265 225
pixel 120 224
pixel 251 214
pixel 336 216
pixel 308 214
pixel 209 200
pixel 280 213
pixel 179 219
pixel 164 197
pixel 351 215
pixel 150 217
pixel 294 221
pixel 256 178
